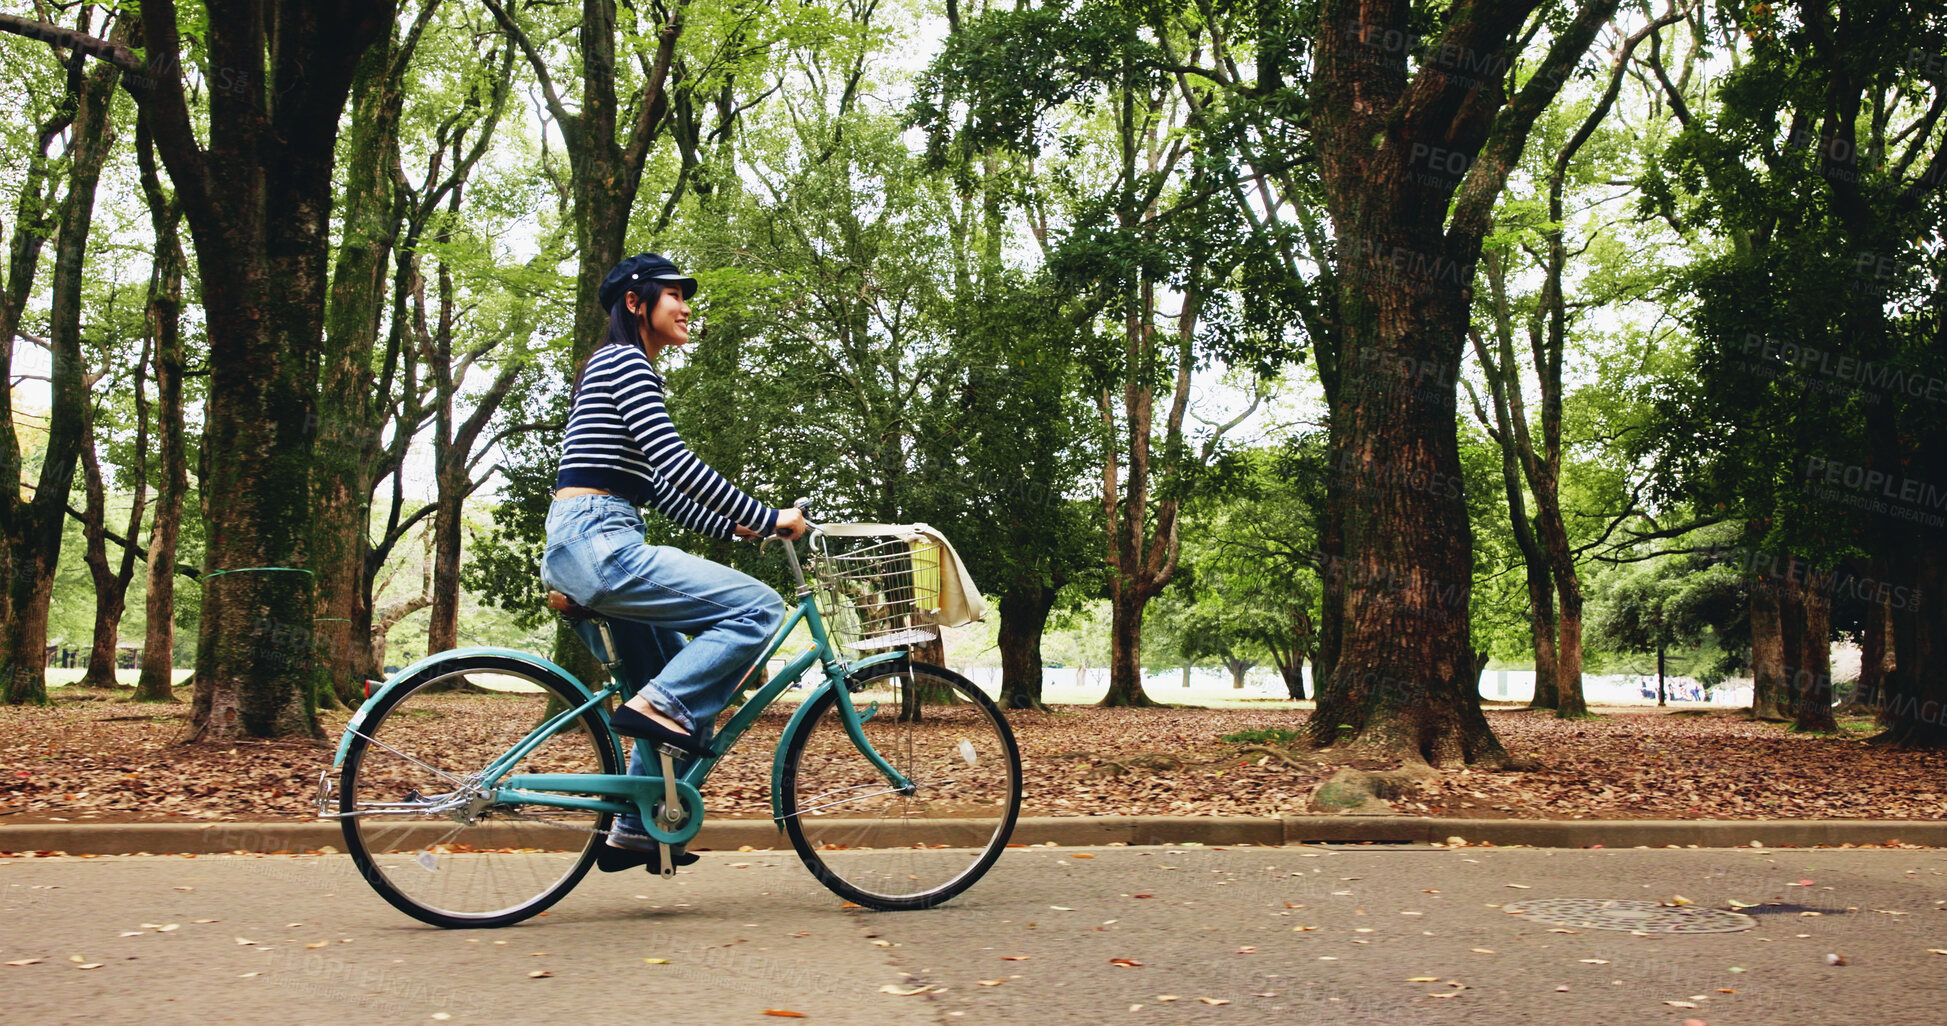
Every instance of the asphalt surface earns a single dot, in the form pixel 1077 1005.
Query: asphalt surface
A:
pixel 1288 935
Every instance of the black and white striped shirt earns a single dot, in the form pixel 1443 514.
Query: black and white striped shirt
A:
pixel 620 440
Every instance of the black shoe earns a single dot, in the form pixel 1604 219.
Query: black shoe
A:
pixel 610 858
pixel 629 723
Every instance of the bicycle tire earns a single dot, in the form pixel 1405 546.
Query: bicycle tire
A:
pixel 495 865
pixel 915 846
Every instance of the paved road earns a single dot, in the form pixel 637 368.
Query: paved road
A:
pixel 1279 935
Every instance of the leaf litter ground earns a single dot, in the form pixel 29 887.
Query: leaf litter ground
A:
pixel 93 757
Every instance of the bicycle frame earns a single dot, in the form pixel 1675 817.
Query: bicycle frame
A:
pixel 625 793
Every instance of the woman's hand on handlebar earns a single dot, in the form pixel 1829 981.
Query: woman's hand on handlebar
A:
pixel 791 523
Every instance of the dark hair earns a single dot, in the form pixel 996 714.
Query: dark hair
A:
pixel 621 327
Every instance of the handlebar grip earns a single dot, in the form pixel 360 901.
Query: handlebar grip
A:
pixel 802 504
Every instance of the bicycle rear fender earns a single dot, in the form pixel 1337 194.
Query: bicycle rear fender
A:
pixel 791 729
pixel 450 655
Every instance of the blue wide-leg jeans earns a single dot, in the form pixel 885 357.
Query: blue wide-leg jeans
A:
pixel 654 595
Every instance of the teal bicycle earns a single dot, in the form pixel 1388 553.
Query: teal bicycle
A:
pixel 475 787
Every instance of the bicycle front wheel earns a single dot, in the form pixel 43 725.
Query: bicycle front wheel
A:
pixel 423 833
pixel 884 849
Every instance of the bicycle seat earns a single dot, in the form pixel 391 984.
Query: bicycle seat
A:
pixel 569 607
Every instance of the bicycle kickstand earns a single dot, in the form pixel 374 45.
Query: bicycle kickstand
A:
pixel 672 814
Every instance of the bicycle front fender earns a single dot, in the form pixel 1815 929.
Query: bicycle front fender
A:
pixel 452 655
pixel 797 719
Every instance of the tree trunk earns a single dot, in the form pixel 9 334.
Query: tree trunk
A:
pixel 1541 602
pixel 1769 698
pixel 260 213
pixel 350 413
pixel 1661 694
pixel 111 584
pixel 1568 665
pixel 1407 237
pixel 1125 656
pixel 156 683
pixel 1024 617
pixel 1916 685
pixel 1293 672
pixel 1238 668
pixel 1868 695
pixel 1809 654
pixel 34 536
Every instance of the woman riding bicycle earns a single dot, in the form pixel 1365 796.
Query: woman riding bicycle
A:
pixel 623 452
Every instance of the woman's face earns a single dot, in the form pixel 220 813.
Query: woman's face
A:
pixel 665 321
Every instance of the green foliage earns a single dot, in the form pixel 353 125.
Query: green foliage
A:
pixel 1265 736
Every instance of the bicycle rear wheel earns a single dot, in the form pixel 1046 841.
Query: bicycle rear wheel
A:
pixel 882 849
pixel 430 844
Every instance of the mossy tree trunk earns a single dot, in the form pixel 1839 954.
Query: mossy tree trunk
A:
pixel 1403 681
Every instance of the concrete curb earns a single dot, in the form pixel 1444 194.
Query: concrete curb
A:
pixel 730 834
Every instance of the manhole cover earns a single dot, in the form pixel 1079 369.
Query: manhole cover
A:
pixel 1630 916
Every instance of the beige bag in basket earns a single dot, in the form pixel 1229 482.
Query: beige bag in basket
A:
pixel 960 598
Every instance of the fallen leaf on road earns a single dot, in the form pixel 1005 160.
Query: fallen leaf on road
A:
pixel 1483 951
pixel 245 976
pixel 1423 979
pixel 657 961
pixel 245 941
pixel 1560 930
pixel 1081 856
pixel 1678 901
pixel 990 983
pixel 1834 959
pixel 1214 1001
pixel 1142 895
pixel 129 933
pixel 1930 951
pixel 1521 887
pixel 1303 929
pixel 1681 1004
pixel 1166 997
pixel 320 944
pixel 89 965
pixel 1563 989
pixel 1015 958
pixel 1596 961
pixel 1734 903
pixel 1126 963
pixel 539 974
pixel 784 1013
pixel 1442 994
pixel 1246 950
pixel 26 961
pixel 1061 908
pixel 896 991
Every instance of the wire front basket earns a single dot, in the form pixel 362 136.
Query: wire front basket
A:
pixel 878 592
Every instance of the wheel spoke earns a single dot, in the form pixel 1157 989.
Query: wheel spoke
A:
pixel 414 817
pixel 886 849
